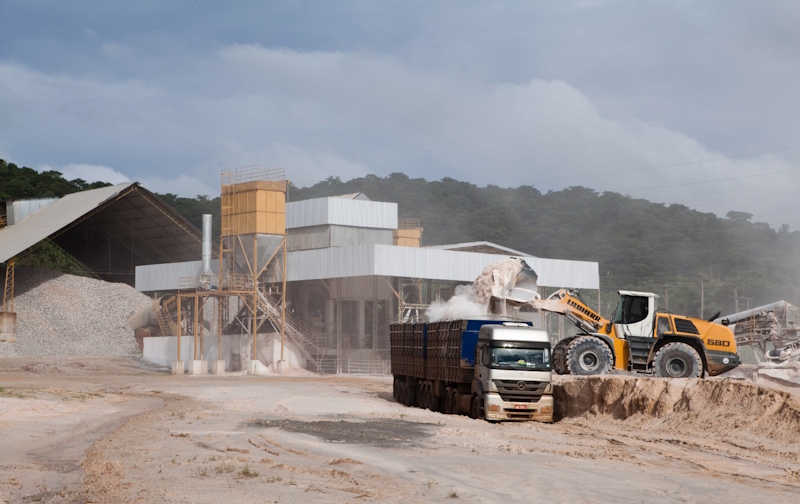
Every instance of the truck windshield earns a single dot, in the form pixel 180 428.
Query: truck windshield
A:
pixel 520 358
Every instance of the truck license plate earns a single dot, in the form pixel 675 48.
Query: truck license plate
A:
pixel 520 406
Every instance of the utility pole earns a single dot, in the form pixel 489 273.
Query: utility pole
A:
pixel 702 300
pixel 736 298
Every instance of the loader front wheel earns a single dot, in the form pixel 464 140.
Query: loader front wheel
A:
pixel 678 360
pixel 588 355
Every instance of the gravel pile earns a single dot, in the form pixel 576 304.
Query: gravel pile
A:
pixel 60 315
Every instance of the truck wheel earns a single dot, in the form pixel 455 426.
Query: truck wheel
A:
pixel 412 395
pixel 588 355
pixel 448 403
pixel 475 410
pixel 678 360
pixel 401 393
pixel 394 388
pixel 423 395
pixel 434 403
pixel 560 357
pixel 455 407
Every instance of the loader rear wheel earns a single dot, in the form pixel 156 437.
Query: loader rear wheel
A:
pixel 588 355
pixel 560 357
pixel 678 360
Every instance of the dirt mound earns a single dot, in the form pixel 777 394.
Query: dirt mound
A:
pixel 60 315
pixel 713 406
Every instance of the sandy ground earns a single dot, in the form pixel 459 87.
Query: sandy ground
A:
pixel 115 430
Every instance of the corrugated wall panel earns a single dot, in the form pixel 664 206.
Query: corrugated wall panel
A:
pixel 342 212
pixel 18 210
pixel 161 277
pixel 344 236
pixel 316 237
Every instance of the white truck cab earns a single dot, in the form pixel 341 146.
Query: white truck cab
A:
pixel 512 374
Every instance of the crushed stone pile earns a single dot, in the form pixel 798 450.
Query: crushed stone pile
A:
pixel 717 407
pixel 61 315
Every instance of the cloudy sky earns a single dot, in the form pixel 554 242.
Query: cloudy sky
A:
pixel 691 102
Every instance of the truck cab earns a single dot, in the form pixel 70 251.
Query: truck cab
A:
pixel 512 374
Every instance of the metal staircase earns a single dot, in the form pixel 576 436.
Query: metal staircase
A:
pixel 313 349
pixel 161 308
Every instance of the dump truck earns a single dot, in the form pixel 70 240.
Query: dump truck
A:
pixel 638 338
pixel 492 369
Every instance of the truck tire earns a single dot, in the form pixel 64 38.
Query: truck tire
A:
pixel 455 406
pixel 678 360
pixel 476 411
pixel 588 355
pixel 559 360
pixel 448 403
pixel 434 402
pixel 394 389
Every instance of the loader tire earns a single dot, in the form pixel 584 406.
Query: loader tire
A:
pixel 588 355
pixel 560 357
pixel 678 360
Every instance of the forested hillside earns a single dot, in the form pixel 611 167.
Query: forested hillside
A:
pixel 21 182
pixel 670 250
pixel 640 245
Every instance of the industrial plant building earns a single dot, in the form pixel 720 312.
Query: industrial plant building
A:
pixel 351 268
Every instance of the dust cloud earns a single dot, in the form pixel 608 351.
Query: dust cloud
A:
pixel 463 305
pixel 472 301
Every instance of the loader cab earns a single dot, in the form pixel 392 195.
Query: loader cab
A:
pixel 634 314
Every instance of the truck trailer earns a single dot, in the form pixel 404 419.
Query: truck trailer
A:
pixel 492 369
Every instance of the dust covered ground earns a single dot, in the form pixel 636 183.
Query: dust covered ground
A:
pixel 116 430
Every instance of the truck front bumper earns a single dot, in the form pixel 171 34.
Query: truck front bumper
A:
pixel 496 409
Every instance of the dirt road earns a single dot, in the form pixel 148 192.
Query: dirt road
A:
pixel 117 431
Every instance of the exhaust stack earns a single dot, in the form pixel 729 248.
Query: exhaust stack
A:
pixel 206 278
pixel 207 245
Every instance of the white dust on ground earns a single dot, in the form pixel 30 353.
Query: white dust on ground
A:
pixel 472 301
pixel 61 315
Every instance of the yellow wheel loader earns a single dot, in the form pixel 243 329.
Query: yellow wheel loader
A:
pixel 638 338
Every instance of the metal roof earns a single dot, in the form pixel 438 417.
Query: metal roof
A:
pixel 341 212
pixel 484 247
pixel 109 230
pixel 392 261
pixel 51 219
pixel 411 262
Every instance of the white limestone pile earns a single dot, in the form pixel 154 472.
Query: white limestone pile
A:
pixel 60 315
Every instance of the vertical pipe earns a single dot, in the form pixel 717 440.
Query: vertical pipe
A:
pixel 254 272
pixel 206 244
pixel 283 303
pixel 179 328
pixel 196 328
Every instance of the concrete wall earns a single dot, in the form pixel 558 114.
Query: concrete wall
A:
pixel 163 350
